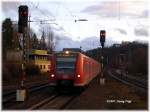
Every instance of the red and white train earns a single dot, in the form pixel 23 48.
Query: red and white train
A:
pixel 73 68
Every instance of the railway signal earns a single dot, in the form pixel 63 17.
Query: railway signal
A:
pixel 102 37
pixel 102 41
pixel 22 28
pixel 23 18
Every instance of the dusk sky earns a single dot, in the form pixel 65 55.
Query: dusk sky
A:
pixel 123 20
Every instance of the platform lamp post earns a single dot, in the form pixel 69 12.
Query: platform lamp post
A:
pixel 21 94
pixel 102 42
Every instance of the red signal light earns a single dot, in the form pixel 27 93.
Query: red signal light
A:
pixel 102 36
pixel 23 17
pixel 25 13
pixel 103 33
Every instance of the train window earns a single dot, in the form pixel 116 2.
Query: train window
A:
pixel 86 66
pixel 40 66
pixel 49 66
pixel 66 65
pixel 31 57
pixel 45 58
pixel 34 57
pixel 40 57
pixel 43 66
pixel 37 57
pixel 66 59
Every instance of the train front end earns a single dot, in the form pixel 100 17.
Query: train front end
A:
pixel 64 71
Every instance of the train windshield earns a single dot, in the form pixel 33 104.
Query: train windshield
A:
pixel 66 64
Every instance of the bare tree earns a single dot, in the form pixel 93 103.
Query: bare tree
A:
pixel 50 43
pixel 34 42
pixel 42 41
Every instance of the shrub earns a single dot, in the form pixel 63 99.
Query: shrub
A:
pixel 32 70
pixel 11 71
pixel 6 75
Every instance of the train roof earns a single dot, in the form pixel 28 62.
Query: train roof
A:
pixel 64 54
pixel 72 49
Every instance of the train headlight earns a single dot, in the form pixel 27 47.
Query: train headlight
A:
pixel 66 52
pixel 78 76
pixel 52 75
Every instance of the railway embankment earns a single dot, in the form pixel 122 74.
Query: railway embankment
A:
pixel 112 95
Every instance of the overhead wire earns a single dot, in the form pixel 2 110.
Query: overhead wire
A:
pixel 50 17
pixel 66 7
pixel 42 12
pixel 71 14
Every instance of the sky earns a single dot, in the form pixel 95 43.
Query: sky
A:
pixel 123 20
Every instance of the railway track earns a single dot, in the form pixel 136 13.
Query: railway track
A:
pixel 41 97
pixel 12 94
pixel 54 102
pixel 134 83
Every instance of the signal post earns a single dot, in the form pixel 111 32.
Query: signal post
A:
pixel 102 42
pixel 21 94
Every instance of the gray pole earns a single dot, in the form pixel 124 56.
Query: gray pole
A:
pixel 102 41
pixel 28 39
pixel 24 56
pixel 102 80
